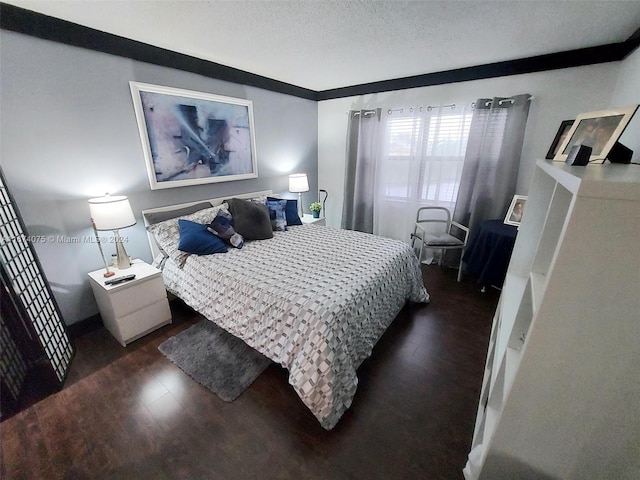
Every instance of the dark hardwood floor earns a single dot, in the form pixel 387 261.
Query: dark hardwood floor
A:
pixel 129 413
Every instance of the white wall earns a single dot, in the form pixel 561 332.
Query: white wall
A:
pixel 69 133
pixel 559 95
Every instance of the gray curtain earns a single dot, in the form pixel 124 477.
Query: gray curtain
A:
pixel 492 160
pixel 360 175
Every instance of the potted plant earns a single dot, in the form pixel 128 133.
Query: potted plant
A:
pixel 315 208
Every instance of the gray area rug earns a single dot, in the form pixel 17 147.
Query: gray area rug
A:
pixel 215 359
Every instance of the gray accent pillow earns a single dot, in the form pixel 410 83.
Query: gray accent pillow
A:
pixel 251 219
pixel 153 218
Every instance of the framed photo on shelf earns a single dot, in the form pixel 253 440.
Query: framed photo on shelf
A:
pixel 561 134
pixel 598 130
pixel 192 138
pixel 514 213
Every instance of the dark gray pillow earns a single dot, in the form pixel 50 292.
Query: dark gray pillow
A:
pixel 251 219
pixel 153 218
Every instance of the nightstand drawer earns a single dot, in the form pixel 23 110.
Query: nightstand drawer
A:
pixel 143 321
pixel 130 298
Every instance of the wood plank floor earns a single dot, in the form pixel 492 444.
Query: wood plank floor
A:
pixel 129 413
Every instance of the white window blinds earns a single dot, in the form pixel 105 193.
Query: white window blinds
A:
pixel 421 166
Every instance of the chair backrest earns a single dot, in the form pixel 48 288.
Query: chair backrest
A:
pixel 434 215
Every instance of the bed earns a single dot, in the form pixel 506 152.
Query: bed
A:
pixel 314 299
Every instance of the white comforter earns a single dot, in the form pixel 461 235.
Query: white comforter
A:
pixel 314 299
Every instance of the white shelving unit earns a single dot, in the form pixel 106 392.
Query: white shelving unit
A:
pixel 561 390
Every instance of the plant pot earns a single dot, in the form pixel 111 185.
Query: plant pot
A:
pixel 316 214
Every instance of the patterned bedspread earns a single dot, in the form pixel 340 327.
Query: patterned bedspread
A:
pixel 314 299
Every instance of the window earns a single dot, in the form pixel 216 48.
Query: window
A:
pixel 425 156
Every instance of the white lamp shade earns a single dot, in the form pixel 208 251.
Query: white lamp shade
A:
pixel 111 213
pixel 298 183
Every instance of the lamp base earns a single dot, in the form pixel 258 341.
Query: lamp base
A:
pixel 108 273
pixel 300 212
pixel 123 258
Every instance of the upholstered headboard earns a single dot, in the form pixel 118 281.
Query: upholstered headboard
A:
pixel 158 214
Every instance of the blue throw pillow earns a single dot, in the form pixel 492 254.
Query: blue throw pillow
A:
pixel 290 211
pixel 195 238
pixel 277 215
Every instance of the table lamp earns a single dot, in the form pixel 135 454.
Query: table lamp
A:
pixel 298 183
pixel 113 213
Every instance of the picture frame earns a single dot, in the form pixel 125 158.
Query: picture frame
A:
pixel 561 134
pixel 598 130
pixel 515 211
pixel 194 138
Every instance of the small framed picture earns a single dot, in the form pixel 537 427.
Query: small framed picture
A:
pixel 598 130
pixel 561 134
pixel 514 214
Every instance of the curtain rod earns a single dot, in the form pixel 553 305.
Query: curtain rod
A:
pixel 429 108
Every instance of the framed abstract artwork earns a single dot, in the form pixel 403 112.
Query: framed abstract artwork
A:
pixel 598 130
pixel 192 138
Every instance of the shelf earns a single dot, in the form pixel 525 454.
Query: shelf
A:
pixel 537 290
pixel 552 232
pixel 511 369
pixel 496 388
pixel 520 329
pixel 532 226
pixel 615 181
pixel 514 293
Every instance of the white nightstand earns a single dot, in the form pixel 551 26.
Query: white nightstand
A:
pixel 308 219
pixel 132 309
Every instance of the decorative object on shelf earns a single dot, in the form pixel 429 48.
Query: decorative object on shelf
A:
pixel 113 213
pixel 558 140
pixel 514 214
pixel 315 208
pixel 299 183
pixel 191 138
pixel 598 130
pixel 579 155
pixel 620 154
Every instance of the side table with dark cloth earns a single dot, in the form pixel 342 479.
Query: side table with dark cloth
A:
pixel 487 255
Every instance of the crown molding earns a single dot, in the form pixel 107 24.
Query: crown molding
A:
pixel 553 61
pixel 45 27
pixel 42 26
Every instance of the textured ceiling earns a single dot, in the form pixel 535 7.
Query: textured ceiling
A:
pixel 322 44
